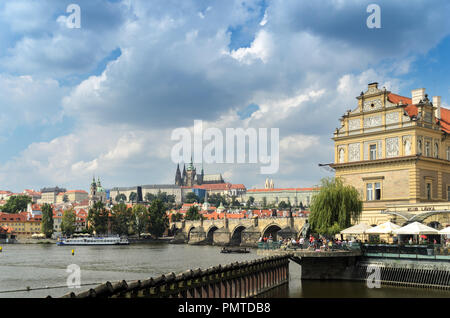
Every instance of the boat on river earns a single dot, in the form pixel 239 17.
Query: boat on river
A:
pixel 240 250
pixel 107 240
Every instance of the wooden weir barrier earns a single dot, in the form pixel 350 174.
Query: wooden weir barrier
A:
pixel 236 280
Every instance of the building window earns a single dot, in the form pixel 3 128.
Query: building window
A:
pixel 427 149
pixel 373 152
pixel 377 191
pixel 428 190
pixel 419 147
pixel 373 191
pixel 436 150
pixel 448 153
pixel 369 191
pixel 448 193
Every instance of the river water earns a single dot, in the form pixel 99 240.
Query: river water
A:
pixel 42 265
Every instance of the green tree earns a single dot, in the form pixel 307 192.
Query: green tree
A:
pixel 335 207
pixel 282 205
pixel 47 220
pixel 121 197
pixel 16 204
pixel 121 217
pixel 191 197
pixel 140 219
pixel 192 214
pixel 250 202
pixel 68 222
pixel 133 196
pixel 98 219
pixel 176 217
pixel 65 198
pixel 264 202
pixel 149 197
pixel 159 221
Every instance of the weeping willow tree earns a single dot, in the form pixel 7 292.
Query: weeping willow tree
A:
pixel 335 207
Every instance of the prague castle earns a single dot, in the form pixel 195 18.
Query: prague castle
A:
pixel 395 151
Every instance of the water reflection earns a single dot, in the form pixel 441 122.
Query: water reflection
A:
pixel 45 265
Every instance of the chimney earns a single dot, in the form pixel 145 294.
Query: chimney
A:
pixel 437 104
pixel 373 85
pixel 417 95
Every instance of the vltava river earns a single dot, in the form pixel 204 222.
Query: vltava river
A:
pixel 38 266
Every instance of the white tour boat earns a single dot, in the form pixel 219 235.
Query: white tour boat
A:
pixel 116 240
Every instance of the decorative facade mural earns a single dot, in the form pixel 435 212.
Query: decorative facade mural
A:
pixel 372 121
pixel 392 118
pixel 354 152
pixel 407 145
pixel 354 124
pixel 341 155
pixel 372 105
pixel 392 147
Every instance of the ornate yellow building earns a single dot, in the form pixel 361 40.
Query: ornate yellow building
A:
pixel 395 151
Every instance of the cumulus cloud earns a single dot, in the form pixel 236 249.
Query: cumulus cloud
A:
pixel 301 62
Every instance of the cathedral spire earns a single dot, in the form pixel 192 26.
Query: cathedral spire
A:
pixel 178 176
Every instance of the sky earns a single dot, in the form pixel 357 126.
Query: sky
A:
pixel 104 99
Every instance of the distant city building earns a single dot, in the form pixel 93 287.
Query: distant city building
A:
pixel 188 181
pixel 190 178
pixel 72 196
pixel 97 193
pixel 294 196
pixel 49 195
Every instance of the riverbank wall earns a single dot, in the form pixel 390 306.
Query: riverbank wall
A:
pixel 236 280
pixel 354 265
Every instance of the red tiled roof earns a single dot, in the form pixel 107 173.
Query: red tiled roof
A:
pixel 394 98
pixel 412 110
pixel 76 191
pixel 219 186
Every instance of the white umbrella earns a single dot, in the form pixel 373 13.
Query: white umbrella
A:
pixel 445 231
pixel 385 228
pixel 416 228
pixel 356 229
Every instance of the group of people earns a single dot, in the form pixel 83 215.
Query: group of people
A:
pixel 314 243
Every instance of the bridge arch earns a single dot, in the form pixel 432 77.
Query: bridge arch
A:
pixel 271 229
pixel 236 235
pixel 210 233
pixel 189 232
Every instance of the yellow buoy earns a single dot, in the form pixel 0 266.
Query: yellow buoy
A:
pixel 73 252
pixel 1 249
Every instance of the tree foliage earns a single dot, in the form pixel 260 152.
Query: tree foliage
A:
pixel 47 220
pixel 159 221
pixel 193 214
pixel 250 202
pixel 16 204
pixel 133 196
pixel 191 197
pixel 335 207
pixel 121 197
pixel 176 217
pixel 121 218
pixel 68 222
pixel 215 199
pixel 140 219
pixel 98 218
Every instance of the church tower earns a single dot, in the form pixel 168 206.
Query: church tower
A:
pixel 183 177
pixel 92 192
pixel 178 180
pixel 190 175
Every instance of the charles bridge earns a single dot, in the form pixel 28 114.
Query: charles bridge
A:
pixel 243 232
